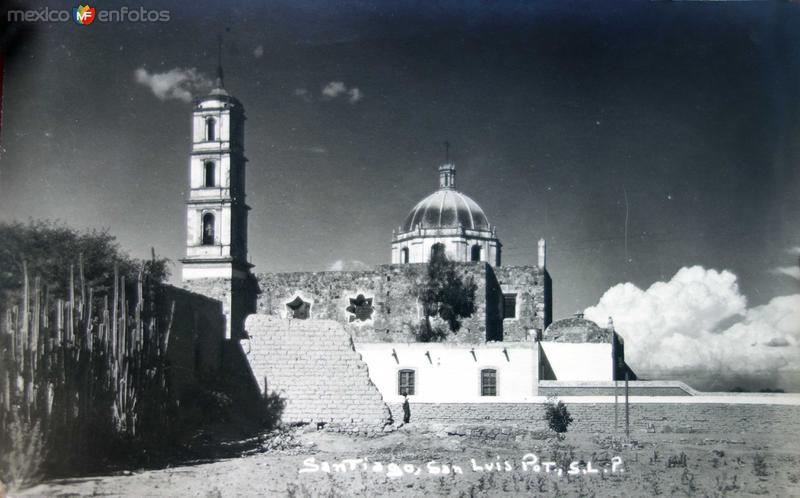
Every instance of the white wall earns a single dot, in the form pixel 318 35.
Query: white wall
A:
pixel 579 361
pixel 457 248
pixel 452 374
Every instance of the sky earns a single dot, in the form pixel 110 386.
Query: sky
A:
pixel 640 139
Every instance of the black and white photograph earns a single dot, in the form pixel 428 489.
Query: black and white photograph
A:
pixel 357 248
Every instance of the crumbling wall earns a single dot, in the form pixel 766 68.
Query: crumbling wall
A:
pixel 393 290
pixel 313 367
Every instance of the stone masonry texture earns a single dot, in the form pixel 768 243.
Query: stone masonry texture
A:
pixel 394 291
pixel 313 367
pixel 599 417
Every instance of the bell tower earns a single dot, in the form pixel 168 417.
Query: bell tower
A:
pixel 216 212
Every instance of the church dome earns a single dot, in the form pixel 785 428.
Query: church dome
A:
pixel 446 208
pixel 576 329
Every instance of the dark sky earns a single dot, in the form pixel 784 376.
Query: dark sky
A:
pixel 556 112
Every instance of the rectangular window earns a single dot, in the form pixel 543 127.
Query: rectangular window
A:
pixel 488 382
pixel 509 306
pixel 405 382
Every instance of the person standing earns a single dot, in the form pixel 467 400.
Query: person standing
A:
pixel 406 409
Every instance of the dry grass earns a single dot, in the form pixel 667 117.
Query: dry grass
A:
pixel 697 464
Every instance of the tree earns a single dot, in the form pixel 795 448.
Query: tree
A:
pixel 557 415
pixel 49 249
pixel 447 295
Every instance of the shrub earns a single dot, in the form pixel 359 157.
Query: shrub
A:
pixel 446 295
pixel 557 415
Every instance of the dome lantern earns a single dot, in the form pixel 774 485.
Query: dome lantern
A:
pixel 447 176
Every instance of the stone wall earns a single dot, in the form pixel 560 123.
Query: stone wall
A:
pixel 635 388
pixel 531 284
pixel 694 416
pixel 238 298
pixel 312 365
pixel 393 289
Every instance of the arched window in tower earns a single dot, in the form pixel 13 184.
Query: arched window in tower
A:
pixel 211 129
pixel 404 255
pixel 208 229
pixel 209 172
pixel 437 250
pixel 476 253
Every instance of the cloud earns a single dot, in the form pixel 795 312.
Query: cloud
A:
pixel 352 265
pixel 335 89
pixel 697 327
pixel 789 271
pixel 177 83
pixel 355 95
pixel 303 93
pixel 258 52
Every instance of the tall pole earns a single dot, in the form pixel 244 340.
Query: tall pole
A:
pixel 627 408
pixel 616 403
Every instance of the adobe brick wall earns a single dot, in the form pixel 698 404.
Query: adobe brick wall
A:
pixel 394 290
pixel 721 418
pixel 312 365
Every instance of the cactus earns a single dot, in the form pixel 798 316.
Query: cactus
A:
pixel 61 361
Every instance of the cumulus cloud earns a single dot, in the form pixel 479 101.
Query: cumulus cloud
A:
pixel 258 52
pixel 335 89
pixel 789 271
pixel 352 265
pixel 177 83
pixel 697 327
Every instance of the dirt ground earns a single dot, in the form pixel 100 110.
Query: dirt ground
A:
pixel 432 461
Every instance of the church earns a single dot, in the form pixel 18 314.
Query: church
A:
pixel 503 351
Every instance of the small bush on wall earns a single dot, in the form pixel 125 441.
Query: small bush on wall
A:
pixel 557 415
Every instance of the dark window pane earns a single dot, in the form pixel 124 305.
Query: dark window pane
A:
pixel 208 229
pixel 509 305
pixel 476 253
pixel 488 382
pixel 405 382
pixel 209 174
pixel 210 129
